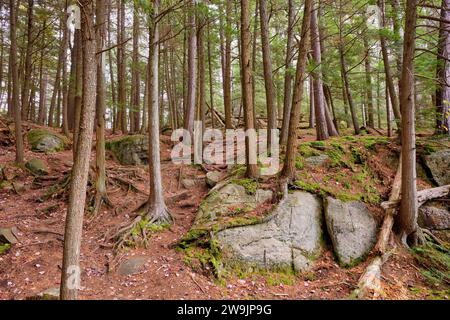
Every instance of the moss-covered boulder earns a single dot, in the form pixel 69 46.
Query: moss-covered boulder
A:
pixel 352 229
pixel 36 166
pixel 42 140
pixel 290 238
pixel 129 150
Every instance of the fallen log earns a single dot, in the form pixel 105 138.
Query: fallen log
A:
pixel 422 197
pixel 369 284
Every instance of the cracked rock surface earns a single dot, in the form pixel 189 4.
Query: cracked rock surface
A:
pixel 289 239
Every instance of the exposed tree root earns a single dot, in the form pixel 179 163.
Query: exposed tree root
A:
pixel 148 220
pixel 369 284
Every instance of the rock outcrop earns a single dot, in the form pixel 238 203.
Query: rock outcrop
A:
pixel 129 150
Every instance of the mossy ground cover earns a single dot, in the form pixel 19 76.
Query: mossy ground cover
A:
pixel 347 175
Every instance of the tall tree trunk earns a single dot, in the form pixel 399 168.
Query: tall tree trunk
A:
pixel 227 63
pixel 100 107
pixel 312 117
pixel 15 82
pixel 247 97
pixel 79 178
pixel 268 79
pixel 135 75
pixel 443 72
pixel 287 102
pixel 387 68
pixel 211 79
pixel 157 211
pixel 57 83
pixel 121 77
pixel 43 79
pixel 192 70
pixel 319 101
pixel 28 62
pixel 201 72
pixel 369 95
pixel 78 88
pixel 291 149
pixel 407 218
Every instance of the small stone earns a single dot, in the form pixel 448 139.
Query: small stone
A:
pixel 213 177
pixel 317 161
pixel 132 265
pixel 8 235
pixel 37 166
pixel 188 183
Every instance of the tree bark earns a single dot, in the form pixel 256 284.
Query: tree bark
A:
pixel 319 101
pixel 369 94
pixel 287 100
pixel 443 72
pixel 407 219
pixel 28 62
pixel 268 79
pixel 387 68
pixel 247 97
pixel 15 82
pixel 291 149
pixel 156 206
pixel 80 171
pixel 135 75
pixel 121 77
pixel 192 70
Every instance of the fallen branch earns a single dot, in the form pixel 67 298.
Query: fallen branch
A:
pixel 369 285
pixel 422 197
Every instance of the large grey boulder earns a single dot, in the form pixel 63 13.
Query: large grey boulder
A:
pixel 290 237
pixel 352 229
pixel 129 150
pixel 42 140
pixel 439 165
pixel 434 216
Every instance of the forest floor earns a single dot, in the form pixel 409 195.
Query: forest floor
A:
pixel 34 264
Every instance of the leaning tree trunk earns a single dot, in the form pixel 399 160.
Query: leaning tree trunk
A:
pixel 15 82
pixel 77 196
pixel 291 149
pixel 407 218
pixel 247 97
